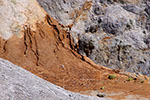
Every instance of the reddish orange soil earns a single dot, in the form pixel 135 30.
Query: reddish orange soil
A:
pixel 49 53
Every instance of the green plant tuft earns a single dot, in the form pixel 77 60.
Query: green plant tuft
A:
pixel 129 79
pixel 142 81
pixel 102 88
pixel 112 76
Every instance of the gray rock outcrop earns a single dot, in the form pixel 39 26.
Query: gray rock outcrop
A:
pixel 19 84
pixel 113 33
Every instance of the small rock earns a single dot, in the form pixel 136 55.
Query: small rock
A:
pixel 62 66
pixel 101 95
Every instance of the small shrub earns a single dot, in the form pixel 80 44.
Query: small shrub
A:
pixel 102 88
pixel 130 79
pixel 112 77
pixel 142 81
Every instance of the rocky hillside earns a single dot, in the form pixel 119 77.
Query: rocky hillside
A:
pixel 113 33
pixel 34 40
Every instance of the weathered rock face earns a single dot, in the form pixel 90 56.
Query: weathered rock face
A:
pixel 19 84
pixel 113 33
pixel 15 14
pixel 43 47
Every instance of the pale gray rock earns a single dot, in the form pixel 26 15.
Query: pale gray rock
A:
pixel 19 84
pixel 61 9
pixel 14 14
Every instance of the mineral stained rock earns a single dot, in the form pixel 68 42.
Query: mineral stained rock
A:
pixel 19 84
pixel 113 33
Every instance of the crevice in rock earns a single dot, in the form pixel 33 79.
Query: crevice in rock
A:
pixel 29 42
pixel 4 47
pixel 25 41
pixel 41 32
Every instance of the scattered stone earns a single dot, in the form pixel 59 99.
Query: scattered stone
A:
pixel 62 66
pixel 101 95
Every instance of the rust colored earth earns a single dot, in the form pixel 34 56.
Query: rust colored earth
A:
pixel 49 53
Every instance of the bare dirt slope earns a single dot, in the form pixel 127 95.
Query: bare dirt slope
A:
pixel 19 84
pixel 49 53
